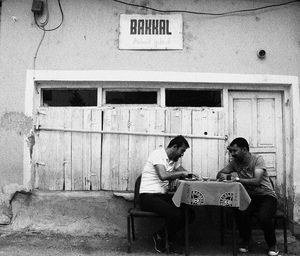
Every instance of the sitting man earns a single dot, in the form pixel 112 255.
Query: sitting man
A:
pixel 252 173
pixel 161 167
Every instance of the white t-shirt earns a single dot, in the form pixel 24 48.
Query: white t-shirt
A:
pixel 150 182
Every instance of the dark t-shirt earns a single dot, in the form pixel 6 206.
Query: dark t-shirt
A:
pixel 247 172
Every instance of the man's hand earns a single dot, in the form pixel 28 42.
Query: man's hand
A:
pixel 222 176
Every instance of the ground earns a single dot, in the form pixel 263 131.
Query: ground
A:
pixel 37 244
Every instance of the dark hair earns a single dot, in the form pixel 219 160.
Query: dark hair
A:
pixel 179 141
pixel 240 142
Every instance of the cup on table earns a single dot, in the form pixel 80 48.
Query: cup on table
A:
pixel 228 177
pixel 205 178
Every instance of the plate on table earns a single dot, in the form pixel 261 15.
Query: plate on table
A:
pixel 227 181
pixel 190 179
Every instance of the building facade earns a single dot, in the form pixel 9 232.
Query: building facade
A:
pixel 89 88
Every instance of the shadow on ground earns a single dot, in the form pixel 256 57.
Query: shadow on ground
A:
pixel 37 244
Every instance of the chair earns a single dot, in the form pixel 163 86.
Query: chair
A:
pixel 136 212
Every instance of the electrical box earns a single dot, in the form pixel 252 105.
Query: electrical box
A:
pixel 37 7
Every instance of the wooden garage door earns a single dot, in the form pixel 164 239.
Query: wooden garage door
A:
pixel 81 149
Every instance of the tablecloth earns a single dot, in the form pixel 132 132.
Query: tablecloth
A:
pixel 227 194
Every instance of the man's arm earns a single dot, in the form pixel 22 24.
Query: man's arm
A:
pixel 222 174
pixel 164 175
pixel 256 180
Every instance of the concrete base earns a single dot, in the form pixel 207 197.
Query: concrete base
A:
pixel 82 213
pixel 99 213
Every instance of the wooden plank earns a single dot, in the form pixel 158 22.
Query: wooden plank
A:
pixel 50 155
pixel 196 143
pixel 138 145
pixel 106 144
pixel 86 150
pixel 77 149
pixel 115 155
pixel 160 115
pixel 96 148
pixel 213 153
pixel 221 143
pixel 186 119
pixel 67 177
pixel 58 164
pixel 120 181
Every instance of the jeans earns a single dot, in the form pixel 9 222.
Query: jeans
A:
pixel 265 208
pixel 163 205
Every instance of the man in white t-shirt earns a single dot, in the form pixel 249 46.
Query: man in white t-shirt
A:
pixel 161 167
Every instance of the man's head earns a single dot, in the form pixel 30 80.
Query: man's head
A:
pixel 238 148
pixel 177 147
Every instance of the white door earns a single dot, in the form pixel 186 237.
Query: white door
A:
pixel 257 116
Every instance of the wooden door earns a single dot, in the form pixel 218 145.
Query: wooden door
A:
pixel 257 116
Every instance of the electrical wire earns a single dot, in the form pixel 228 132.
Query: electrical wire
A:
pixel 207 13
pixel 42 25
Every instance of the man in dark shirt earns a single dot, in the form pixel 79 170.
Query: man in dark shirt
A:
pixel 251 172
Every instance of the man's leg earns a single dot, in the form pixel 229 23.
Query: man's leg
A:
pixel 163 205
pixel 243 219
pixel 266 211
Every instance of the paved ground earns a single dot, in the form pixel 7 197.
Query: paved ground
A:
pixel 41 244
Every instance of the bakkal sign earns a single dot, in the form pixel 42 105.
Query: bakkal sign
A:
pixel 154 32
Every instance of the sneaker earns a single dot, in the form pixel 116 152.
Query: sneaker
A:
pixel 159 243
pixel 273 251
pixel 244 248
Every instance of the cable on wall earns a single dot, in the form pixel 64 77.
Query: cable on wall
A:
pixel 207 13
pixel 42 24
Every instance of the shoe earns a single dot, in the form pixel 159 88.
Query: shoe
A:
pixel 159 243
pixel 244 248
pixel 273 251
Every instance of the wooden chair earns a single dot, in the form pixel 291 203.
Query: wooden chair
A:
pixel 136 212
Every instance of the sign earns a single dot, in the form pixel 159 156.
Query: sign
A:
pixel 154 32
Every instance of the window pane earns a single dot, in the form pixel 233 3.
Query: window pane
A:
pixel 132 97
pixel 69 98
pixel 193 98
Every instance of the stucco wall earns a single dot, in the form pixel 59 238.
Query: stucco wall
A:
pixel 88 40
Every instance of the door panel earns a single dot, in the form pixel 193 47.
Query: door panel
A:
pixel 257 116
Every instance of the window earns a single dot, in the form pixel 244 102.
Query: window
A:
pixel 193 98
pixel 130 97
pixel 69 97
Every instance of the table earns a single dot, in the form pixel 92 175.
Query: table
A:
pixel 223 194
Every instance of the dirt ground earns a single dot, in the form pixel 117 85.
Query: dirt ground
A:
pixel 42 244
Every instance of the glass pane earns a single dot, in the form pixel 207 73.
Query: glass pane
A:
pixel 193 98
pixel 69 98
pixel 131 97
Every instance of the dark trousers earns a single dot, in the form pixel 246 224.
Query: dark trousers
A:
pixel 264 208
pixel 163 205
